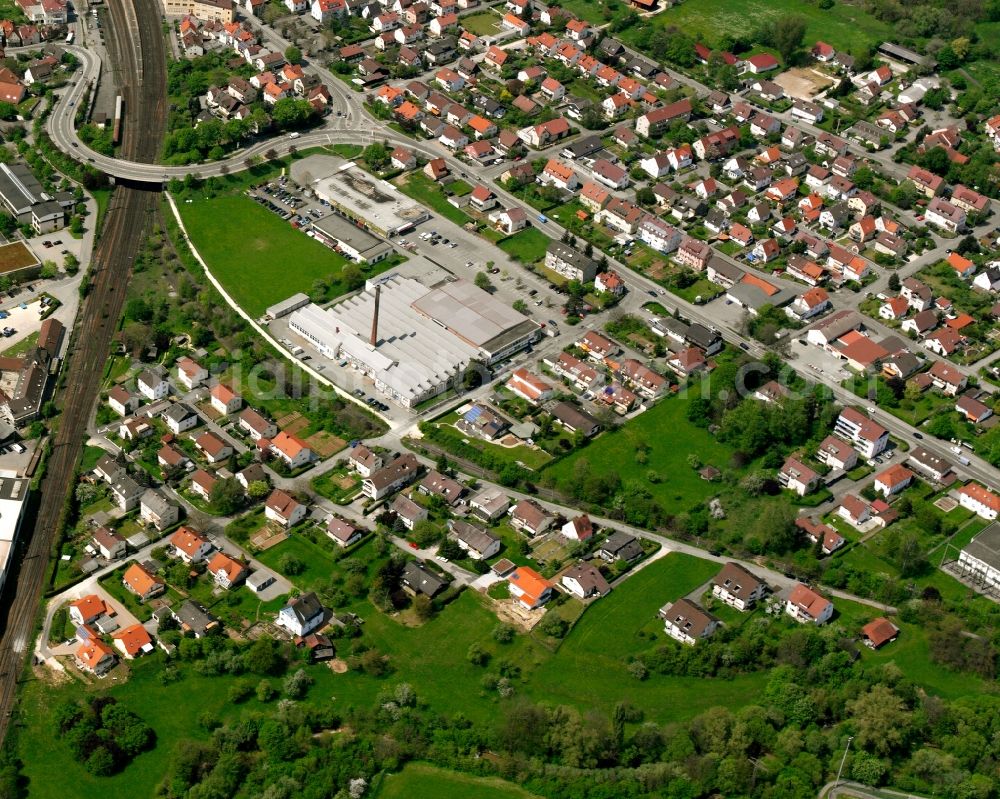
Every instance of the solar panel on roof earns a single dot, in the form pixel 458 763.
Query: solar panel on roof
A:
pixel 474 413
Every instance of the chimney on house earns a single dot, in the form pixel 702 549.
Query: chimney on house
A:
pixel 374 339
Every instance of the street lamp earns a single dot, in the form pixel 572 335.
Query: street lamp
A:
pixel 844 758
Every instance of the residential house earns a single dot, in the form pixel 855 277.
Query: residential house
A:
pixel 190 373
pixel 292 450
pixel 142 583
pixel 979 500
pixel 407 511
pixel 134 641
pixel 579 528
pixel 224 400
pixel 530 518
pixel 190 546
pixel 256 426
pixel 156 510
pixel 620 546
pixel 893 480
pixel 837 454
pixel 364 461
pixel 796 476
pixel 122 401
pixel 828 539
pixel 399 472
pixel 490 504
pixel 854 509
pixel 109 544
pixel 418 579
pixel 152 385
pixel 302 615
pixel 584 581
pixel 686 622
pixel 808 607
pixel 284 509
pixel 180 417
pixel 436 484
pixel 95 657
pixel 569 263
pixel 879 632
pixel 226 571
pixel 867 436
pixel 343 534
pixel 529 386
pixel 212 447
pixel 529 588
pixel 479 544
pixel 737 587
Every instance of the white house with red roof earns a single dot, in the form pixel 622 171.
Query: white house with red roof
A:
pixel 291 449
pixel 224 400
pixel 190 373
pixel 529 386
pixel 893 480
pixel 529 587
pixel 762 62
pixel 979 500
pixel 284 509
pixel 190 546
pixel 808 607
pixel 88 609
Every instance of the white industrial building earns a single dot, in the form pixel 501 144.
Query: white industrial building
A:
pixel 377 205
pixel 414 341
pixel 13 500
pixel 979 560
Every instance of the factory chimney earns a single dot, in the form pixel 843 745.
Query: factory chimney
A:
pixel 374 339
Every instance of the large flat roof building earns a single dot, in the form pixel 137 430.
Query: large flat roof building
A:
pixel 27 201
pixel 13 498
pixel 413 341
pixel 357 195
pixel 352 240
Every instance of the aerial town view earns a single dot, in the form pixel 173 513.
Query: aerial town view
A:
pixel 496 399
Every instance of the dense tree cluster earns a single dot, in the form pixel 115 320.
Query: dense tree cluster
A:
pixel 102 734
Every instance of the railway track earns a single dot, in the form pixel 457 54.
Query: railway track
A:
pixel 136 48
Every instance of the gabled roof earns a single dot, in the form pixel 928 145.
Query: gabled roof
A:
pixel 187 541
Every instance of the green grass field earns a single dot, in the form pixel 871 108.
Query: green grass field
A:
pixel 527 246
pixel 485 23
pixel 421 779
pixel 665 429
pixel 259 258
pixel 422 189
pixel 843 26
pixel 318 562
pixel 172 710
